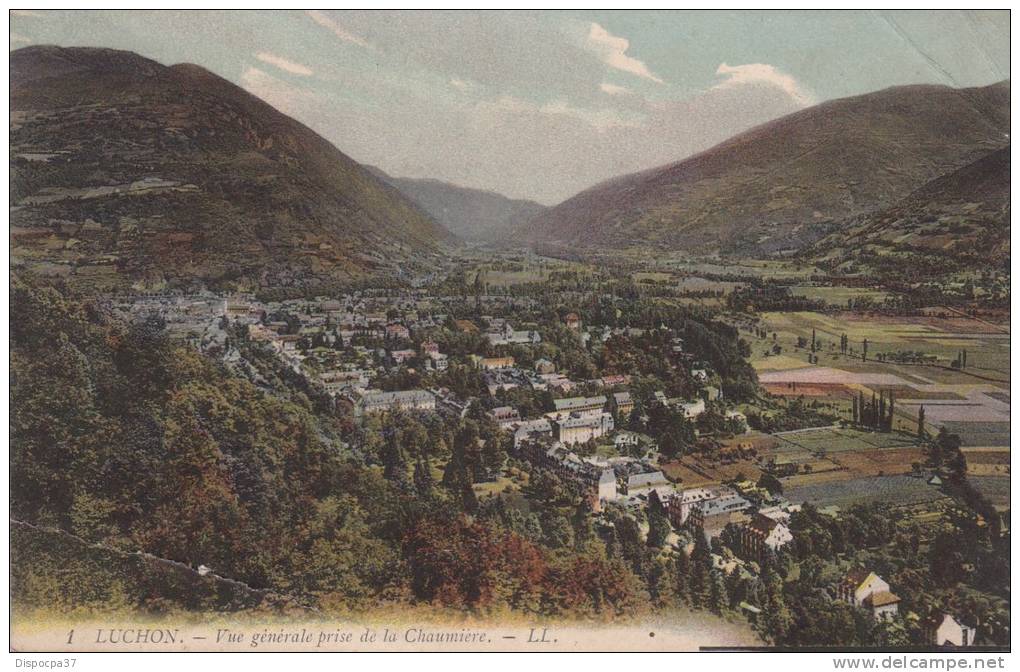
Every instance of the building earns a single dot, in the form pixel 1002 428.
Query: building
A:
pixel 573 321
pixel 437 361
pixel 397 331
pixel 709 502
pixel 492 363
pixel 622 404
pixel 504 379
pixel 608 490
pixel 862 588
pixel 711 516
pixel 336 381
pixel 692 409
pixel 624 440
pixel 544 366
pixel 638 484
pixel 584 406
pixel 532 429
pixel 679 508
pixel 556 381
pixel 287 343
pixel 508 336
pixel 374 401
pixel 953 631
pixel 505 416
pixel 598 483
pixel 401 356
pixel 580 428
pixel 761 534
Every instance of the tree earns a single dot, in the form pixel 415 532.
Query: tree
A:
pixel 423 482
pixel 717 599
pixel 394 462
pixel 736 588
pixel 770 483
pixel 556 530
pixel 460 564
pixel 892 413
pixel 658 523
pixel 634 421
pixel 683 566
pixel 700 575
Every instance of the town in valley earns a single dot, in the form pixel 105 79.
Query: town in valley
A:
pixel 749 391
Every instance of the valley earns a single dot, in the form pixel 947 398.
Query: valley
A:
pixel 255 377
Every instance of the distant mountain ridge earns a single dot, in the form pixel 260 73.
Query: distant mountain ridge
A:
pixel 126 170
pixel 785 184
pixel 472 214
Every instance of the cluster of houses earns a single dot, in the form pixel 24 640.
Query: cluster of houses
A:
pixel 314 337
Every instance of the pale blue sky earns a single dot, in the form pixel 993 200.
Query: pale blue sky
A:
pixel 543 104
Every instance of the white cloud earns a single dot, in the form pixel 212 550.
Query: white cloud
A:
pixel 613 52
pixel 460 84
pixel 338 30
pixel 284 64
pixel 762 73
pixel 613 89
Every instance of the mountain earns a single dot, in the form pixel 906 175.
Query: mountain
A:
pixel 957 220
pixel 126 170
pixel 785 183
pixel 472 214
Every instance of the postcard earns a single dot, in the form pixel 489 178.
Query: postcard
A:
pixel 516 331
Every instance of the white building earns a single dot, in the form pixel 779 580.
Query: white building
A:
pixel 607 486
pixel 507 335
pixel 762 534
pixel 582 406
pixel 380 402
pixel 862 588
pixel 953 632
pixel 578 428
pixel 692 409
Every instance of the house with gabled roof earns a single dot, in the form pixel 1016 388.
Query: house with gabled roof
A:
pixel 763 533
pixel 863 588
pixel 953 630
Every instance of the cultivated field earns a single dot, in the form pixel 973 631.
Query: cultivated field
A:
pixel 972 402
pixel 891 490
